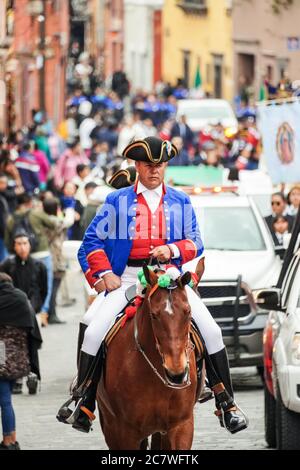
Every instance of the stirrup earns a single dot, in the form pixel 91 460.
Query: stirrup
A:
pixel 220 413
pixel 74 415
pixel 66 414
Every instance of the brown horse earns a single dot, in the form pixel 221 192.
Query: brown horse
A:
pixel 149 385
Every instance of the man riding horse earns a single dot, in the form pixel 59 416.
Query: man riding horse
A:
pixel 136 223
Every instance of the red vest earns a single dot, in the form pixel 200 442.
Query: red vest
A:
pixel 150 230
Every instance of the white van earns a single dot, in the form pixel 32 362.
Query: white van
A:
pixel 205 112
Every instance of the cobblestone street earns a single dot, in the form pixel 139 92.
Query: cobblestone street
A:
pixel 37 427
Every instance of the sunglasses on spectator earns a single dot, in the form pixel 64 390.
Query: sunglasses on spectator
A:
pixel 276 203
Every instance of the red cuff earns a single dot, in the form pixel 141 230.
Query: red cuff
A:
pixel 188 250
pixel 98 262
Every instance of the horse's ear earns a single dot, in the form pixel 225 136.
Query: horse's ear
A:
pixel 184 279
pixel 150 275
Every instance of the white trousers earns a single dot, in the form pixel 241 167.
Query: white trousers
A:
pixel 102 313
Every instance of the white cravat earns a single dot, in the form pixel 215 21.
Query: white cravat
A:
pixel 152 196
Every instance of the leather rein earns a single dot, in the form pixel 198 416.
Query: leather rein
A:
pixel 189 348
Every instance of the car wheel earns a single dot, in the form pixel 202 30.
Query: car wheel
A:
pixel 270 418
pixel 287 426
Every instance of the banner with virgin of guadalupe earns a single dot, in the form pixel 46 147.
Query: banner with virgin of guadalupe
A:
pixel 279 124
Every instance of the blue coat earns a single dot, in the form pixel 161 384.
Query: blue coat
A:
pixel 108 239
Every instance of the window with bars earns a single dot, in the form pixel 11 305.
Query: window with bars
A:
pixel 193 6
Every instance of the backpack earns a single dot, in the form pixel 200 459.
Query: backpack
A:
pixel 23 225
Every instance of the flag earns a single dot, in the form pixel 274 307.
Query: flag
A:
pixel 198 79
pixel 262 92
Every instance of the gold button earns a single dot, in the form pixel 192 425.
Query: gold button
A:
pixel 134 218
pixel 153 226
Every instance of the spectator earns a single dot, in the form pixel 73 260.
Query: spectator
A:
pixel 85 129
pixel 280 228
pixel 66 166
pixel 56 239
pixel 278 204
pixel 28 274
pixel 101 157
pixel 91 207
pixel 293 200
pixel 9 194
pixel 43 162
pixel 120 84
pixel 209 154
pixel 77 98
pixel 29 169
pixel 182 129
pixel 182 159
pixel 68 200
pixel 67 129
pixel 83 177
pixel 20 338
pixel 8 167
pixel 35 222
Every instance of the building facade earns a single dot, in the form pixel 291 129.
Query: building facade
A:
pixel 265 44
pixel 6 38
pixel 142 42
pixel 198 33
pixel 38 57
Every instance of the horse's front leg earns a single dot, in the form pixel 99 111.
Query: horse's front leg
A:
pixel 120 437
pixel 179 438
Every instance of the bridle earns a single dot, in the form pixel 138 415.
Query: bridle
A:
pixel 188 350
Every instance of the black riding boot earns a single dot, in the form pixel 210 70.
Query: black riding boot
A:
pixel 224 398
pixel 85 366
pixel 84 420
pixel 82 328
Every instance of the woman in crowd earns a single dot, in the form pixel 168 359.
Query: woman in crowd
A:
pixel 56 238
pixel 19 343
pixel 293 199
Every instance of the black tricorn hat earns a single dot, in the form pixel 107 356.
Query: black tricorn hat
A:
pixel 151 149
pixel 123 178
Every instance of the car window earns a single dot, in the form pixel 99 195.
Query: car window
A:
pixel 230 229
pixel 293 299
pixel 288 279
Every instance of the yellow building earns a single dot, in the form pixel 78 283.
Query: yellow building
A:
pixel 199 32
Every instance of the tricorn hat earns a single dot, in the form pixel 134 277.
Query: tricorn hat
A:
pixel 123 178
pixel 150 149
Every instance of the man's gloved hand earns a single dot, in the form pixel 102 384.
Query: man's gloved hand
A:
pixel 162 253
pixel 111 281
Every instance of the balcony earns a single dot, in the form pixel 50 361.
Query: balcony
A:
pixel 198 7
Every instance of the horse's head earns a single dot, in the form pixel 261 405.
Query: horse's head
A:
pixel 170 315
